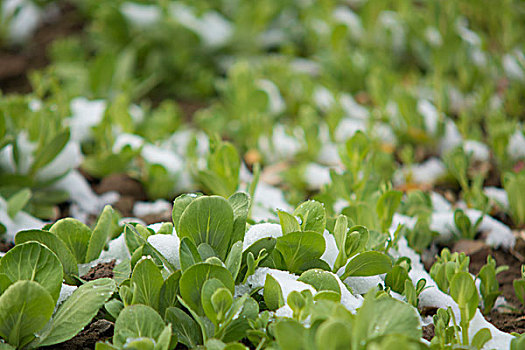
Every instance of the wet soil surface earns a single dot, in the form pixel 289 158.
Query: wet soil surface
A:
pixel 17 61
pixel 130 191
pixel 507 320
pixel 101 270
pixel 5 246
pixel 97 331
pixel 428 332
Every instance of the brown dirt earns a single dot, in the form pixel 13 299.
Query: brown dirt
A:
pixel 5 246
pixel 96 331
pixel 478 252
pixel 507 322
pixel 428 332
pixel 130 191
pixel 100 271
pixel 165 216
pixel 16 62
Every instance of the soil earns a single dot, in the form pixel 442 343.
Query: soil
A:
pixel 130 191
pixel 100 271
pixel 501 318
pixel 17 61
pixel 428 332
pixel 5 246
pixel 100 330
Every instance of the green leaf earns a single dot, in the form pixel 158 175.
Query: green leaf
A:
pixel 189 255
pixel 395 279
pixel 234 259
pixel 77 311
pixel 221 300
pixel 100 234
pixel 240 203
pixel 54 244
pixel 290 335
pixel 368 263
pixel 481 338
pixel 34 262
pixel 18 201
pixel 300 248
pixel 122 271
pixel 462 288
pixel 185 327
pixel 179 205
pixel 168 292
pixel 193 279
pixel 208 288
pixel 262 246
pixel 146 282
pixel 47 153
pixel 313 216
pixel 209 220
pixel 519 290
pixel 333 335
pixel 272 293
pixel 383 316
pixel 288 222
pixel 114 307
pixel 320 280
pixel 223 174
pixel 25 308
pixel 137 321
pixel 386 206
pixel 75 235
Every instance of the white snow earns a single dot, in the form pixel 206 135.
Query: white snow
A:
pixel 430 115
pixel 65 293
pixel 316 176
pixel 21 221
pixel 276 104
pixel 125 139
pixel 147 208
pixel 82 195
pixel 25 152
pixel 512 68
pixel 141 15
pixel 451 138
pixel 323 98
pixel 352 108
pixel 85 115
pixel 168 246
pixel 172 162
pixel 329 154
pixel 331 251
pixel 439 203
pixel 498 195
pixel 281 145
pixel 498 234
pixel 348 127
pixel 286 280
pixel 117 249
pixel 211 27
pixel 346 16
pixel 465 33
pixel 25 18
pixel 361 285
pixel 433 36
pixel 258 231
pixel 516 146
pixel 266 199
pixel 427 172
pixel 478 150
pixel 70 158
